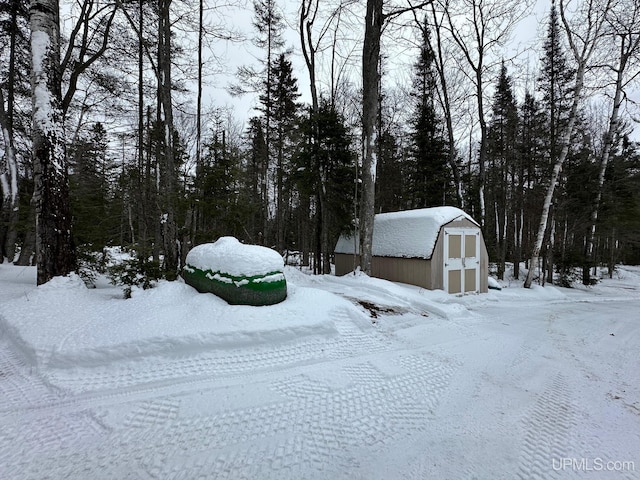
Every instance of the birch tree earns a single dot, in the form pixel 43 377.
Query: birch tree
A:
pixel 9 201
pixel 584 32
pixel 55 254
pixel 624 21
pixel 14 51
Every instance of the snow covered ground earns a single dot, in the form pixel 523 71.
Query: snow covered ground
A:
pixel 349 378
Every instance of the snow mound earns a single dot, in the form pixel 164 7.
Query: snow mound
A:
pixel 171 319
pixel 71 281
pixel 392 294
pixel 229 256
pixel 494 284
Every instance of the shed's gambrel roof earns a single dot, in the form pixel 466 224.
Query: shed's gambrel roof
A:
pixel 409 234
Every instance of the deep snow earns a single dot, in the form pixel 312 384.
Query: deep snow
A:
pixel 229 256
pixel 351 377
pixel 395 233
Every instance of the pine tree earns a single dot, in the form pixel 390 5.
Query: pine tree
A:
pixel 217 182
pixel 528 191
pixel 324 169
pixel 255 177
pixel 619 224
pixel 390 195
pixel 90 189
pixel 502 152
pixel 269 24
pixel 574 205
pixel 280 106
pixel 555 85
pixel 430 179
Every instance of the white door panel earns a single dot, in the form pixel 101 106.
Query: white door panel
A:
pixel 461 260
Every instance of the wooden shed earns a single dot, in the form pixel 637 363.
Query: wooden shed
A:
pixel 434 248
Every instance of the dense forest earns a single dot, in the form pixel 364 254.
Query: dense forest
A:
pixel 108 139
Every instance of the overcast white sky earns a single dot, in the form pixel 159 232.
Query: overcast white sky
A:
pixel 527 41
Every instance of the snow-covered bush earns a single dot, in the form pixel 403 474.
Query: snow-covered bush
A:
pixel 135 272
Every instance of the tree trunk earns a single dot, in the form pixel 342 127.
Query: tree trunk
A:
pixel 28 250
pixel 9 199
pixel 546 206
pixel 604 160
pixel 54 243
pixel 370 93
pixel 590 39
pixel 482 157
pixel 167 165
pixel 446 107
pixel 550 251
pixel 141 194
pixel 305 237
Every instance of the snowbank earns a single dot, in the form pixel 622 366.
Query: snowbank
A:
pixel 229 256
pixel 63 323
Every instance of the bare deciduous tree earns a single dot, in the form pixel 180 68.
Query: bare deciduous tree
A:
pixel 479 27
pixel 584 31
pixel 624 24
pixel 375 20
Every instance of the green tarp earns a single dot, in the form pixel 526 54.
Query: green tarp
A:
pixel 258 290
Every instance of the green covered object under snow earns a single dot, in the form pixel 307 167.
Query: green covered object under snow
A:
pixel 240 274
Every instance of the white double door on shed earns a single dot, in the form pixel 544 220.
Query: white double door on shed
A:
pixel 462 260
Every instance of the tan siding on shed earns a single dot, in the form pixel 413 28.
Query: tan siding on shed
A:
pixel 428 274
pixel 415 271
pixel 344 263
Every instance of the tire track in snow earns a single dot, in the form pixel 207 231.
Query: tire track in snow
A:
pixel 19 386
pixel 549 435
pixel 316 431
pixel 21 439
pixel 153 412
pixel 223 364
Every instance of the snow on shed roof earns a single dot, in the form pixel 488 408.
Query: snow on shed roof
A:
pixel 409 233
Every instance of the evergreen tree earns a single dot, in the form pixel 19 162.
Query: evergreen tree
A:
pixel 91 174
pixel 574 205
pixel 324 170
pixel 502 169
pixel 430 178
pixel 555 85
pixel 390 188
pixel 255 179
pixel 218 182
pixel 269 24
pixel 619 224
pixel 280 105
pixel 528 189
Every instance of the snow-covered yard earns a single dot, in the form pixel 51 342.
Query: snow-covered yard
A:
pixel 351 377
